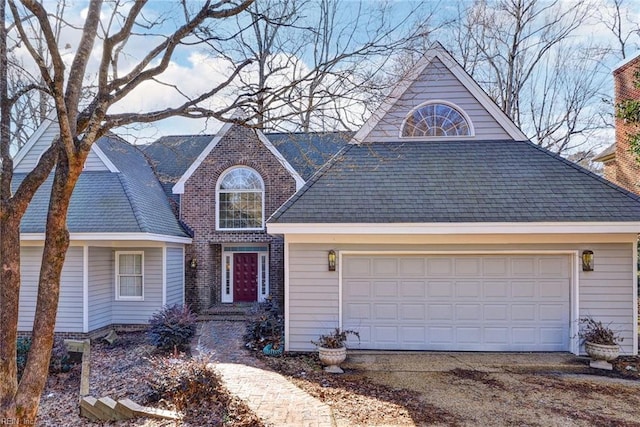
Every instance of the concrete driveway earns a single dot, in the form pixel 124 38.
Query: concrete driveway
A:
pixel 408 361
pixel 506 389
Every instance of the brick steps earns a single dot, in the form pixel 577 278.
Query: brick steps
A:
pixel 222 317
pixel 237 312
pixel 107 409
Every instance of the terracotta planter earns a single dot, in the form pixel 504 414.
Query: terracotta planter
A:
pixel 601 354
pixel 332 357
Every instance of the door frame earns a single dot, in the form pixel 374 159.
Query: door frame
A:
pixel 574 263
pixel 226 269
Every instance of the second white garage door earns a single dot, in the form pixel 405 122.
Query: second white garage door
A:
pixel 461 302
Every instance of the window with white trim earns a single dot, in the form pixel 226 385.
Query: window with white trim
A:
pixel 130 275
pixel 435 120
pixel 240 200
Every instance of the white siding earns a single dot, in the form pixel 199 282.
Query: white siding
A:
pixel 139 312
pixel 101 288
pixel 605 294
pixel 31 158
pixel 175 276
pixel 69 318
pixel 437 83
pixel 93 162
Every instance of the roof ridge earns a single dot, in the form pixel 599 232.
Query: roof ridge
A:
pixel 314 178
pixel 186 134
pixel 585 171
pixel 142 224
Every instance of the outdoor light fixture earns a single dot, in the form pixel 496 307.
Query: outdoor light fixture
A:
pixel 587 260
pixel 194 263
pixel 332 260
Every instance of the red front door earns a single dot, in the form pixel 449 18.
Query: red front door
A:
pixel 245 277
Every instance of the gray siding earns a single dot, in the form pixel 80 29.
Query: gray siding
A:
pixel 605 294
pixel 175 276
pixel 70 313
pixel 101 286
pixel 138 312
pixel 93 163
pixel 31 158
pixel 437 83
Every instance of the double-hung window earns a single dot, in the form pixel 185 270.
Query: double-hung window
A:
pixel 130 275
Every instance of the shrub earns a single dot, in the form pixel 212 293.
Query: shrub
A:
pixel 22 351
pixel 265 326
pixel 60 361
pixel 184 383
pixel 172 327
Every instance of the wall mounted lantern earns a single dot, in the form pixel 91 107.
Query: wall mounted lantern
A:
pixel 193 263
pixel 332 260
pixel 587 260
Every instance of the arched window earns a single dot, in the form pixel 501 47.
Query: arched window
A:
pixel 240 200
pixel 436 119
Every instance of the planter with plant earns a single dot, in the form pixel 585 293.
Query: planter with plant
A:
pixel 332 349
pixel 601 342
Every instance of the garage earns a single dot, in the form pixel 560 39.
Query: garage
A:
pixel 484 302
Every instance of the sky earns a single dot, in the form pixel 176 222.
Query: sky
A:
pixel 193 70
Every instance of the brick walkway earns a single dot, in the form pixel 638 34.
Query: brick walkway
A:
pixel 269 395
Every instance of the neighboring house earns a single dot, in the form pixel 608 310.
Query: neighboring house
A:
pixel 126 255
pixel 224 188
pixel 620 163
pixel 452 231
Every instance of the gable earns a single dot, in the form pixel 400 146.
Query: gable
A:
pixel 439 79
pixel 27 158
pixel 228 135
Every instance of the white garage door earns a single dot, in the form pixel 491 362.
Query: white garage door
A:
pixel 465 302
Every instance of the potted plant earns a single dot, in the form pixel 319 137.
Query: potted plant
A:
pixel 601 342
pixel 274 346
pixel 332 349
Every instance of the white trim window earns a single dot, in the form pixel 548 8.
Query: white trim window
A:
pixel 436 119
pixel 130 275
pixel 240 200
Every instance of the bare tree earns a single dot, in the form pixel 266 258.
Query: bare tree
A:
pixel 32 104
pixel 84 114
pixel 616 16
pixel 525 55
pixel 316 61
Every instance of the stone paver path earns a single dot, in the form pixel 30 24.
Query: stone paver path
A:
pixel 274 399
pixel 269 395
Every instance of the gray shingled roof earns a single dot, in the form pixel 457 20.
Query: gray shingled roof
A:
pixel 455 181
pixel 307 152
pixel 171 156
pixel 131 201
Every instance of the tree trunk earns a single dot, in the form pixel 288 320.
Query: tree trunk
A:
pixel 55 248
pixel 9 298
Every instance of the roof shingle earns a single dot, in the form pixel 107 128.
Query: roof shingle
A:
pixel 455 181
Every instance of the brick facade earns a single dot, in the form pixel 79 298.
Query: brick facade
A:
pixel 239 146
pixel 624 169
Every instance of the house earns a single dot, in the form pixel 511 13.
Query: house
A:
pixel 620 163
pixel 126 255
pixel 441 227
pixel 224 187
